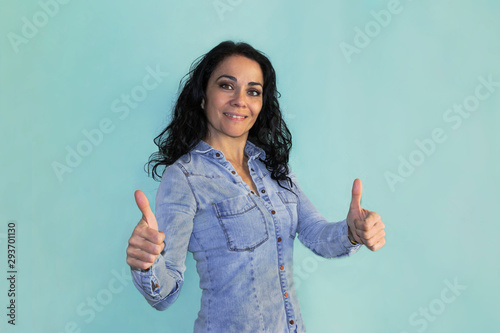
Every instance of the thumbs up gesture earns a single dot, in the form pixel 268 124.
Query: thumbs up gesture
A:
pixel 365 227
pixel 146 242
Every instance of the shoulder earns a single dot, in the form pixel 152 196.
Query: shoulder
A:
pixel 193 163
pixel 182 164
pixel 175 187
pixel 292 177
pixel 177 172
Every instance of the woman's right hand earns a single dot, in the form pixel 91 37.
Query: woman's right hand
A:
pixel 146 242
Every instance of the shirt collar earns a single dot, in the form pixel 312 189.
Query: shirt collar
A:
pixel 251 150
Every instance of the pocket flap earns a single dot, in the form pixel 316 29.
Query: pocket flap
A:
pixel 234 206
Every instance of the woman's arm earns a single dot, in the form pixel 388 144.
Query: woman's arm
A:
pixel 175 210
pixel 327 239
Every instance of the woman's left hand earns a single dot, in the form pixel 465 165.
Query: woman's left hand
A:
pixel 365 226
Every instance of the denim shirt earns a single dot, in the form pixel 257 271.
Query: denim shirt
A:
pixel 242 242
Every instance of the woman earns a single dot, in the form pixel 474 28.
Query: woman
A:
pixel 228 196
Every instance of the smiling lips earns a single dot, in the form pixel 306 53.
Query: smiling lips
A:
pixel 235 116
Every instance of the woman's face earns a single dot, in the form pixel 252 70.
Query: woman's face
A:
pixel 234 98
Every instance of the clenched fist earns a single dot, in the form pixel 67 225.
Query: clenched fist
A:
pixel 365 226
pixel 146 242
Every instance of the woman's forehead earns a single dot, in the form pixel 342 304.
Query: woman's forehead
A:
pixel 239 67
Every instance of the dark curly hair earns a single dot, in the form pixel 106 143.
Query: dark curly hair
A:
pixel 189 122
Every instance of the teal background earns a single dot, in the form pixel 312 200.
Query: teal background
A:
pixel 349 119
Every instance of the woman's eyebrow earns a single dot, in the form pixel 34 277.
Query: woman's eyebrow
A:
pixel 232 78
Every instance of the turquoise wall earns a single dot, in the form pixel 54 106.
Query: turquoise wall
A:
pixel 401 94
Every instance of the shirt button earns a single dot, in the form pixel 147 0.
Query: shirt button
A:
pixel 252 169
pixel 263 191
pixel 233 172
pixel 282 267
pixel 291 322
pixel 252 192
pixel 218 155
pixel 279 239
pixel 286 294
pixel 273 212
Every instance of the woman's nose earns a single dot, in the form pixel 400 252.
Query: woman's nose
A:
pixel 240 98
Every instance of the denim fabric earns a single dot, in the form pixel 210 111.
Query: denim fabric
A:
pixel 242 242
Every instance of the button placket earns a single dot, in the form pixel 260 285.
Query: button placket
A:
pixel 282 273
pixel 266 201
pixel 258 183
pixel 226 164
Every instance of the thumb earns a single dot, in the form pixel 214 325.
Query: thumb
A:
pixel 357 189
pixel 147 213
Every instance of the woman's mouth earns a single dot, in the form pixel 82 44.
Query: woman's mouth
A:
pixel 234 116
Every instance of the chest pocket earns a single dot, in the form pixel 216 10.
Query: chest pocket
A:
pixel 243 223
pixel 290 201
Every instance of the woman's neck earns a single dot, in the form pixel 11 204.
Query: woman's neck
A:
pixel 233 148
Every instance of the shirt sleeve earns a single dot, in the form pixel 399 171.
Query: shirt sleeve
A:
pixel 324 238
pixel 175 210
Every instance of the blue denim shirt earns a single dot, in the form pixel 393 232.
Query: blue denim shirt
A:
pixel 242 242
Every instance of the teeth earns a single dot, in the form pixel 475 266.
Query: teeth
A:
pixel 233 116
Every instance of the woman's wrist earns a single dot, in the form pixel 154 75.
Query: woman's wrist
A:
pixel 350 237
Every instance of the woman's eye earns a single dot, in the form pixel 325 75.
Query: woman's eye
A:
pixel 225 86
pixel 254 93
